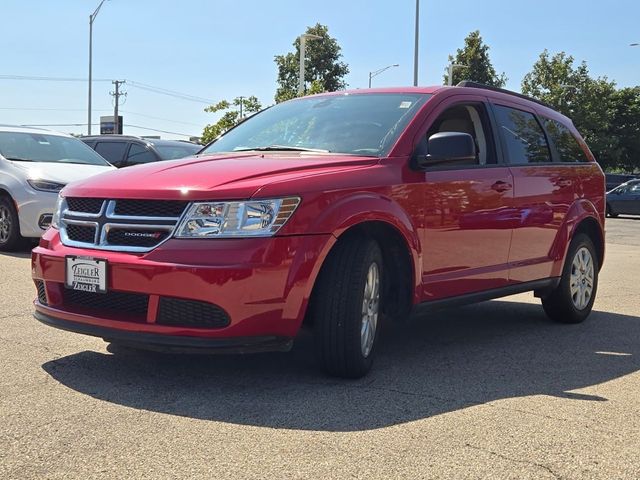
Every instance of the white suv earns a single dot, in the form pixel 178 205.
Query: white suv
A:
pixel 34 166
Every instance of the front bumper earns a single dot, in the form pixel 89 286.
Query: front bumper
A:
pixel 31 207
pixel 262 284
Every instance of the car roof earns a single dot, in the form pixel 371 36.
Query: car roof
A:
pixel 150 141
pixel 22 129
pixel 464 87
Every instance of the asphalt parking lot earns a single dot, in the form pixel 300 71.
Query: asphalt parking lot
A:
pixel 493 390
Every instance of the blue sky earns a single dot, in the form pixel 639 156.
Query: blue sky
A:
pixel 221 49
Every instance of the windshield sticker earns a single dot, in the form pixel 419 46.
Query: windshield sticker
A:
pixel 404 104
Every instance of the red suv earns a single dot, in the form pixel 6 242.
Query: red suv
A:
pixel 336 211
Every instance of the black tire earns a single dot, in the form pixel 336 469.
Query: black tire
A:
pixel 610 212
pixel 337 303
pixel 560 305
pixel 10 237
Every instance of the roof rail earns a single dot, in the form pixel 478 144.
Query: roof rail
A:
pixel 470 84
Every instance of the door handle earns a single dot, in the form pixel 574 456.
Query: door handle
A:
pixel 501 186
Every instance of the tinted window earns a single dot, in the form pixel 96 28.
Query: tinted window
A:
pixel 139 154
pixel 523 137
pixel 566 144
pixel 36 147
pixel 362 124
pixel 112 151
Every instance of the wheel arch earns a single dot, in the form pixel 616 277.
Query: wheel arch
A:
pixel 582 217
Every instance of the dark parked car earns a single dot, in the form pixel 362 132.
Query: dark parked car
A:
pixel 615 179
pixel 124 150
pixel 624 199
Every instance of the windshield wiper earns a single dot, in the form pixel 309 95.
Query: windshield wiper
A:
pixel 283 148
pixel 16 159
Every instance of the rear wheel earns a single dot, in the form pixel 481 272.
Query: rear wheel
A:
pixel 10 237
pixel 345 308
pixel 572 300
pixel 610 212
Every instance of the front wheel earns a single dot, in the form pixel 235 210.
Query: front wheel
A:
pixel 345 307
pixel 10 237
pixel 572 300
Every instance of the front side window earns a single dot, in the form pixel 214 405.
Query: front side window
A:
pixel 360 124
pixel 37 147
pixel 523 136
pixel 471 119
pixel 566 144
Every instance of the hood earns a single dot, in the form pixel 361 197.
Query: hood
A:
pixel 60 172
pixel 230 176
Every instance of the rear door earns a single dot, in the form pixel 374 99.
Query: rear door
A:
pixel 543 190
pixel 468 212
pixel 626 199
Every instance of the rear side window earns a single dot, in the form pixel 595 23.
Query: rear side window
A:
pixel 138 154
pixel 523 136
pixel 566 144
pixel 112 151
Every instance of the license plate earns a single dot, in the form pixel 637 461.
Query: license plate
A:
pixel 86 274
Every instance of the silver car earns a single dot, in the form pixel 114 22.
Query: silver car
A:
pixel 34 166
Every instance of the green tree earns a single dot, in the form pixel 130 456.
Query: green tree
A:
pixel 324 69
pixel 230 117
pixel 589 102
pixel 478 67
pixel 625 129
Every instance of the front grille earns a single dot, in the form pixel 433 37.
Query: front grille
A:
pixel 81 233
pixel 124 303
pixel 85 205
pixel 42 294
pixel 131 237
pixel 122 225
pixel 190 313
pixel 150 208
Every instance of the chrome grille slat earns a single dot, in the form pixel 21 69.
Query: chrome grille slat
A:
pixel 129 232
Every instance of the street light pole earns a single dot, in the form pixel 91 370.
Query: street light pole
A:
pixel 451 67
pixel 415 50
pixel 92 17
pixel 378 72
pixel 303 44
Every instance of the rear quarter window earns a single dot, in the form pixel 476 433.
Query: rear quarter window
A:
pixel 565 142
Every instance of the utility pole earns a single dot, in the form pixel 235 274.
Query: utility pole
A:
pixel 241 99
pixel 116 95
pixel 92 18
pixel 303 43
pixel 415 51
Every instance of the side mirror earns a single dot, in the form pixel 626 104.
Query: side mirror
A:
pixel 448 147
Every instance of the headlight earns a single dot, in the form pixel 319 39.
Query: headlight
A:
pixel 57 212
pixel 45 186
pixel 257 218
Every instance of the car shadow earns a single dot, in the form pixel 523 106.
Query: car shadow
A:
pixel 17 254
pixel 447 361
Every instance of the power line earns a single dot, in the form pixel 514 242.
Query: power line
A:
pixel 84 125
pixel 50 79
pixel 141 86
pixel 170 93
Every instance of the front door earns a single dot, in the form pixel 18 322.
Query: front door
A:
pixel 468 211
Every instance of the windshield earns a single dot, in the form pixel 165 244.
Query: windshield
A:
pixel 362 124
pixel 169 152
pixel 38 147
